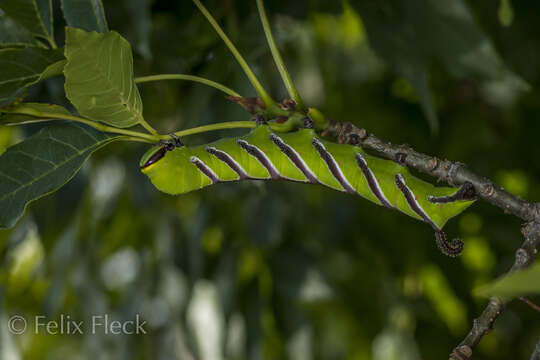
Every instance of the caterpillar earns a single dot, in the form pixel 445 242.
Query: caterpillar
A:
pixel 302 156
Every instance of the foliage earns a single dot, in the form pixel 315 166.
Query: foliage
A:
pixel 252 270
pixel 34 15
pixel 99 78
pixel 521 283
pixel 42 163
pixel 88 15
pixel 25 67
pixel 409 35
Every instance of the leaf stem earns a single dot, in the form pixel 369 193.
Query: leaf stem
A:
pixel 139 136
pixel 50 40
pixel 46 42
pixel 218 126
pixel 224 125
pixel 147 126
pixel 95 125
pixel 278 60
pixel 111 129
pixel 268 101
pixel 198 79
pixel 137 139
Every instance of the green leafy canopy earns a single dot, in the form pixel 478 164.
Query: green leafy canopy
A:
pixel 101 63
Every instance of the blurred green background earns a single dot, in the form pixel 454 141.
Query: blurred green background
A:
pixel 282 270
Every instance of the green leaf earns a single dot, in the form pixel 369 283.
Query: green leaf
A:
pixel 13 34
pixel 20 68
pixel 409 35
pixel 46 15
pixel 34 15
pixel 518 283
pixel 99 78
pixel 85 14
pixel 26 113
pixel 54 69
pixel 42 163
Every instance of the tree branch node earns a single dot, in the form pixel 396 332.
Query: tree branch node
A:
pixel 463 352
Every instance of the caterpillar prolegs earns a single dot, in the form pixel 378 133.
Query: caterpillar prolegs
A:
pixel 302 156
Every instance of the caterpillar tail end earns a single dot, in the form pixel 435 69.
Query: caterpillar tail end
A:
pixel 453 248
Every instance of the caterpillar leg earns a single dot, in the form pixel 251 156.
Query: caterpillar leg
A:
pixel 400 159
pixel 260 120
pixel 465 192
pixel 307 122
pixel 170 145
pixel 177 142
pixel 353 139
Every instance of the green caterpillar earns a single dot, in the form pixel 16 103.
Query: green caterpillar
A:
pixel 302 156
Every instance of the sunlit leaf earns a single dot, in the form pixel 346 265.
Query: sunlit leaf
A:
pixel 20 68
pixel 85 14
pixel 34 15
pixel 43 163
pixel 99 77
pixel 518 283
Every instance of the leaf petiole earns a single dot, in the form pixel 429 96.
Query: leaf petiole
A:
pixel 198 79
pixel 278 60
pixel 226 125
pixel 95 125
pixel 147 126
pixel 218 126
pixel 136 135
pixel 265 97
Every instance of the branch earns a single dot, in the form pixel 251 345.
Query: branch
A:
pixel 456 174
pixel 530 303
pixel 484 323
pixel 453 173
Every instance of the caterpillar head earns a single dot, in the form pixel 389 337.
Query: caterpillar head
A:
pixel 155 154
pixel 152 156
